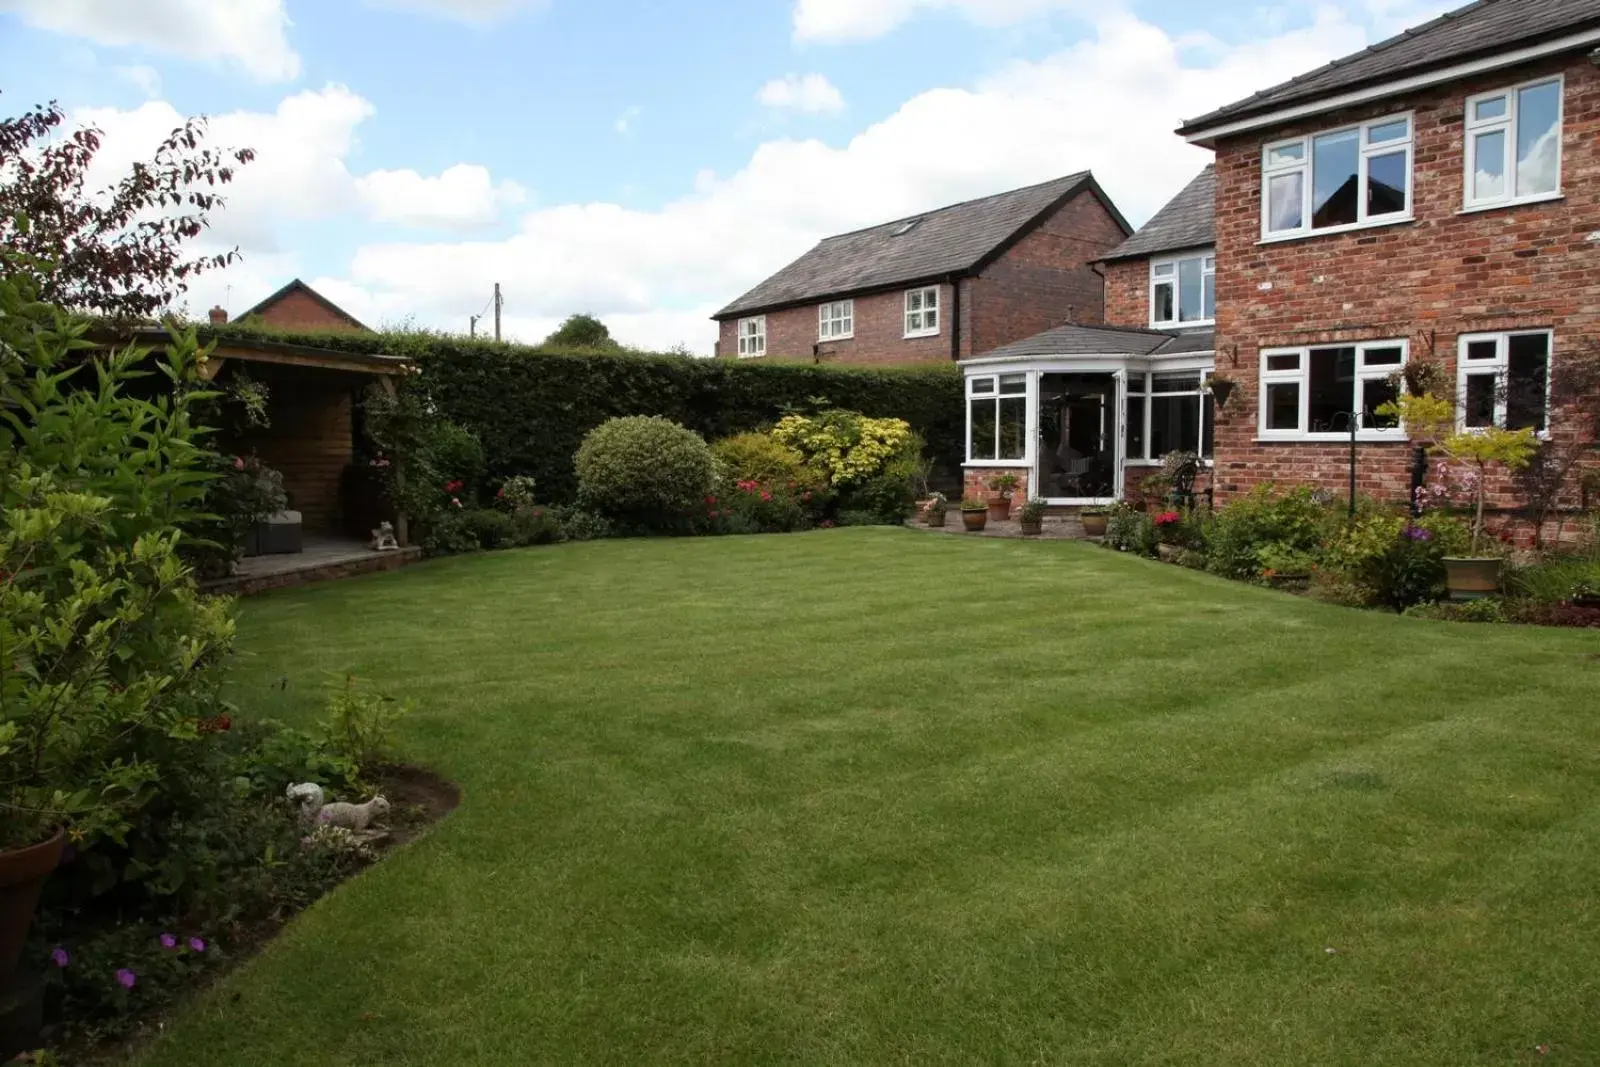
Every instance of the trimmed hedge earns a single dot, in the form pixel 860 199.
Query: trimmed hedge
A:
pixel 531 407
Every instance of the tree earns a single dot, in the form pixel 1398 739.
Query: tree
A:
pixel 1574 388
pixel 582 331
pixel 116 251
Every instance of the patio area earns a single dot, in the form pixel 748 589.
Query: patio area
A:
pixel 322 559
pixel 1055 528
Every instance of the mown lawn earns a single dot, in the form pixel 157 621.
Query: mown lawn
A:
pixel 877 796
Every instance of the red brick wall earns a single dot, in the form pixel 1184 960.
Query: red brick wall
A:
pixel 1431 280
pixel 1043 281
pixel 298 311
pixel 975 483
pixel 1128 293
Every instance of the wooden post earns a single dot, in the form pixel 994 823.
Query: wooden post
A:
pixel 402 532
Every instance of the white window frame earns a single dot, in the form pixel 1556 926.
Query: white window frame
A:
pixel 924 320
pixel 836 320
pixel 1166 271
pixel 1474 128
pixel 1500 365
pixel 987 387
pixel 1141 384
pixel 752 334
pixel 1301 375
pixel 1303 166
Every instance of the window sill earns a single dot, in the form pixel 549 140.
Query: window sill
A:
pixel 919 333
pixel 1501 205
pixel 1364 437
pixel 1014 464
pixel 840 337
pixel 753 355
pixel 1188 324
pixel 1330 231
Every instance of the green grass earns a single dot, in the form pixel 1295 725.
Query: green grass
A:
pixel 875 796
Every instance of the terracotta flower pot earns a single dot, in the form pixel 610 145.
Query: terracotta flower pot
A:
pixel 22 876
pixel 1472 579
pixel 1032 527
pixel 1094 525
pixel 975 520
pixel 1000 508
pixel 934 518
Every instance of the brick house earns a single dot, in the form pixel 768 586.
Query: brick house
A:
pixel 296 306
pixel 1434 199
pixel 938 286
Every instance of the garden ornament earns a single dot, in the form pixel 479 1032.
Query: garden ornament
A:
pixel 383 539
pixel 354 816
pixel 308 797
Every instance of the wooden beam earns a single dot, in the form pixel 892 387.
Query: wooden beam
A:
pixel 298 359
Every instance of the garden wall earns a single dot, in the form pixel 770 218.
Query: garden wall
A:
pixel 531 407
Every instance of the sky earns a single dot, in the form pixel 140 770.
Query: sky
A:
pixel 644 161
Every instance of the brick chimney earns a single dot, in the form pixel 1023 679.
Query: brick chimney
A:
pixel 219 317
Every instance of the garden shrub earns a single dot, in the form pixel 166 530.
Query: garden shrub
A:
pixel 1393 561
pixel 1556 580
pixel 491 529
pixel 360 726
pixel 1532 613
pixel 646 472
pixel 579 524
pixel 762 458
pixel 1489 609
pixel 847 447
pixel 1293 521
pixel 1129 529
pixel 536 526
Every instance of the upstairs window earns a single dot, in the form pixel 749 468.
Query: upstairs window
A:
pixel 1314 393
pixel 1183 291
pixel 753 337
pixel 836 321
pixel 922 312
pixel 1513 145
pixel 1357 176
pixel 1503 379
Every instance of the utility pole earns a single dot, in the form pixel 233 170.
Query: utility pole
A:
pixel 499 302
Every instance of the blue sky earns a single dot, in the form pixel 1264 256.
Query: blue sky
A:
pixel 646 162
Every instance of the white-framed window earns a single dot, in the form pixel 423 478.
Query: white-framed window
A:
pixel 1503 379
pixel 753 337
pixel 1183 290
pixel 1341 179
pixel 997 418
pixel 1168 411
pixel 1513 149
pixel 836 321
pixel 1313 393
pixel 922 312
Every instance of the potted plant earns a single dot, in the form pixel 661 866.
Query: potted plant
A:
pixel 1168 523
pixel 1032 517
pixel 1586 594
pixel 934 511
pixel 1094 521
pixel 1476 450
pixel 974 513
pixel 1003 485
pixel 1222 388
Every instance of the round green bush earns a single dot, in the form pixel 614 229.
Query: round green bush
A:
pixel 760 457
pixel 645 472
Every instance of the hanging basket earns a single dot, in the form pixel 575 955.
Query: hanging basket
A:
pixel 1222 389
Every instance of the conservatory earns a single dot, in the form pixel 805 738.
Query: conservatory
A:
pixel 1080 413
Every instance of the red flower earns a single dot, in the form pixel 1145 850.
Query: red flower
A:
pixel 765 495
pixel 216 724
pixel 711 500
pixel 805 496
pixel 1168 518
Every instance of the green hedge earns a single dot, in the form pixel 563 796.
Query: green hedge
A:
pixel 532 407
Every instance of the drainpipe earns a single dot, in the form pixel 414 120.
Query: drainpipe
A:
pixel 955 320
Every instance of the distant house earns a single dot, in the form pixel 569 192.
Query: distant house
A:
pixel 939 286
pixel 296 306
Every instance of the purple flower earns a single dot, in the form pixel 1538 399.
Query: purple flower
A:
pixel 126 978
pixel 168 941
pixel 1417 533
pixel 197 944
pixel 59 956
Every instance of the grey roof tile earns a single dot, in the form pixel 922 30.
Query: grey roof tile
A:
pixel 1188 221
pixel 949 240
pixel 1103 341
pixel 1479 29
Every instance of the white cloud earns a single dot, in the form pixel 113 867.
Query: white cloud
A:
pixel 462 197
pixel 832 21
pixel 654 275
pixel 474 11
pixel 145 79
pixel 812 93
pixel 250 34
pixel 625 121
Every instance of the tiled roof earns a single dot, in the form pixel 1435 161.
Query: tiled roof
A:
pixel 1188 221
pixel 950 240
pixel 1103 341
pixel 1480 29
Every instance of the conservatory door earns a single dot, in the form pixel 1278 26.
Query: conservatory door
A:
pixel 1079 438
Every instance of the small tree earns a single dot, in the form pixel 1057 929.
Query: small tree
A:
pixel 116 251
pixel 582 331
pixel 1574 429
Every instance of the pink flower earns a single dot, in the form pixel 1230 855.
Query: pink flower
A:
pixel 59 957
pixel 455 501
pixel 238 463
pixel 197 944
pixel 168 941
pixel 766 495
pixel 126 978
